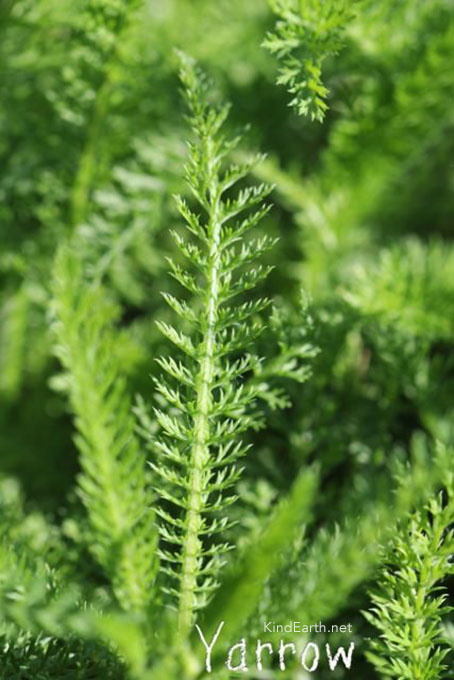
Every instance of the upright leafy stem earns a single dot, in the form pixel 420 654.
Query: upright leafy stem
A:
pixel 409 605
pixel 113 482
pixel 213 403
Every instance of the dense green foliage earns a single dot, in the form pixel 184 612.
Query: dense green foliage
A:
pixel 266 432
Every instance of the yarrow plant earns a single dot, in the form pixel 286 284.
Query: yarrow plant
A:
pixel 113 483
pixel 306 32
pixel 213 402
pixel 410 606
pixel 216 479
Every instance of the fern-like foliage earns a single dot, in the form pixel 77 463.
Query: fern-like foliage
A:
pixel 243 587
pixel 307 31
pixel 102 24
pixel 412 286
pixel 34 603
pixel 410 604
pixel 210 402
pixel 113 482
pixel 351 551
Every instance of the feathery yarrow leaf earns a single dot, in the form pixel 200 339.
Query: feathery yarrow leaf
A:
pixel 209 401
pixel 306 32
pixel 113 483
pixel 409 606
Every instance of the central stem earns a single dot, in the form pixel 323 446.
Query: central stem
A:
pixel 199 453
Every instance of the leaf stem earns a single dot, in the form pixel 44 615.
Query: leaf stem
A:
pixel 204 385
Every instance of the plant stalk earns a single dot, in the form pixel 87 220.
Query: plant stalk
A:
pixel 200 446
